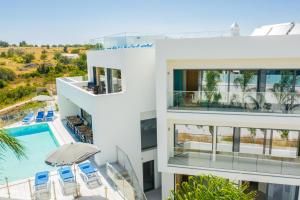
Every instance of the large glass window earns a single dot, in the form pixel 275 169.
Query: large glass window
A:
pixel 258 141
pixel 282 192
pixel 87 117
pixel 194 137
pixel 116 80
pixel 285 143
pixel 99 80
pixel 148 133
pixel 224 139
pixel 252 140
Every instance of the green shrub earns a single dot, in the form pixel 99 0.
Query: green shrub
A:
pixel 8 96
pixel 208 187
pixel 7 74
pixel 2 83
pixel 75 51
pixel 3 54
pixel 28 57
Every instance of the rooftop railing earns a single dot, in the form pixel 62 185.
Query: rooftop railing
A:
pixel 135 40
pixel 265 102
pixel 236 161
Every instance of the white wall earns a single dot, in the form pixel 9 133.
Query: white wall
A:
pixel 167 182
pixel 116 117
pixel 231 52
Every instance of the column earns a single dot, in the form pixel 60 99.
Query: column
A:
pixel 214 147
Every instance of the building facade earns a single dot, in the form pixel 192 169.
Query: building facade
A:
pixel 226 106
pixel 229 106
pixel 117 101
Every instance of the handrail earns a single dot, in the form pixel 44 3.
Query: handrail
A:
pixel 130 168
pixel 287 102
pixel 280 165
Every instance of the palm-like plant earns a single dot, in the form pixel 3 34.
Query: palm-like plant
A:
pixel 284 92
pixel 9 142
pixel 284 134
pixel 211 87
pixel 205 187
pixel 252 133
pixel 243 82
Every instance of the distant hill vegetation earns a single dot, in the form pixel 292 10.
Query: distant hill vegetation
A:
pixel 27 68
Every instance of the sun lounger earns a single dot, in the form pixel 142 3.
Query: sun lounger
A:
pixel 89 174
pixel 50 115
pixel 28 118
pixel 67 181
pixel 40 116
pixel 42 186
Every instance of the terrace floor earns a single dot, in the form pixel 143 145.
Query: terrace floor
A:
pixel 23 189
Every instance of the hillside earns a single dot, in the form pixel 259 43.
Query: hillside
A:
pixel 27 71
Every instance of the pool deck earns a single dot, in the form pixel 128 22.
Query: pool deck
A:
pixel 23 189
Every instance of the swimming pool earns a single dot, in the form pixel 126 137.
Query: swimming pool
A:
pixel 39 141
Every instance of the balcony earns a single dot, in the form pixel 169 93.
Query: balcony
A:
pixel 262 102
pixel 236 161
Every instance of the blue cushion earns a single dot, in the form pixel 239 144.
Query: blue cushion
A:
pixel 41 178
pixel 87 168
pixel 65 173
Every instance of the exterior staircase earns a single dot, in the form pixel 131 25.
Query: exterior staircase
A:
pixel 124 177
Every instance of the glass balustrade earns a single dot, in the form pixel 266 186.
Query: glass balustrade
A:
pixel 268 102
pixel 236 161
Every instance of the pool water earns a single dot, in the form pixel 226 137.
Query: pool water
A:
pixel 38 141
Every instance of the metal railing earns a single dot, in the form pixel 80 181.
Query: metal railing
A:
pixel 236 161
pixel 9 119
pixel 268 102
pixel 122 185
pixel 24 189
pixel 124 161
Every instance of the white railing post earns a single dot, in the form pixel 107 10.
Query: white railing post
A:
pixel 7 187
pixel 105 191
pixel 54 192
pixel 30 191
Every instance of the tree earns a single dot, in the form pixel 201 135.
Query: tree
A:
pixel 65 49
pixel 243 82
pixel 285 92
pixel 23 44
pixel 252 133
pixel 3 44
pixel 211 87
pixel 208 187
pixel 284 134
pixel 9 142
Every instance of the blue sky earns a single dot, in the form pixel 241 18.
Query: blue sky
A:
pixel 77 21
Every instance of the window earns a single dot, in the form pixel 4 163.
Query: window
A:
pixel 194 138
pixel 148 133
pixel 224 139
pixel 87 117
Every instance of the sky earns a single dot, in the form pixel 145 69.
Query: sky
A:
pixel 78 21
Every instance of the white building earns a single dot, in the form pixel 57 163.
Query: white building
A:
pixel 118 103
pixel 244 126
pixel 227 106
